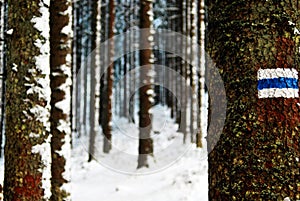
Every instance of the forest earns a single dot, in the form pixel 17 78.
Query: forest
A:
pixel 178 100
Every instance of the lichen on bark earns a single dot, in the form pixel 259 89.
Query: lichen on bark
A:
pixel 256 156
pixel 27 146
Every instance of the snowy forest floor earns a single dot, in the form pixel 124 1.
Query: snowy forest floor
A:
pixel 177 171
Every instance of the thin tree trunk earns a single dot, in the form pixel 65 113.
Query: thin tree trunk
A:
pixel 125 67
pixel 77 65
pixel 95 66
pixel 179 28
pixel 103 56
pixel 193 65
pixel 184 73
pixel 108 110
pixel 146 60
pixel 61 83
pixel 200 88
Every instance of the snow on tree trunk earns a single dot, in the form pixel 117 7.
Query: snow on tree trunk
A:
pixel 193 63
pixel 95 77
pixel 255 46
pixel 184 72
pixel 27 146
pixel 61 82
pixel 146 78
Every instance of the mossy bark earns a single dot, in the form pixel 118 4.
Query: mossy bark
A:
pixel 257 155
pixel 27 106
pixel 60 61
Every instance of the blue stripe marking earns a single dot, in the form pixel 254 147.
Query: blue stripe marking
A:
pixel 278 83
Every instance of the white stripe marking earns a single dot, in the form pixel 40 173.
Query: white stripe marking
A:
pixel 276 73
pixel 277 93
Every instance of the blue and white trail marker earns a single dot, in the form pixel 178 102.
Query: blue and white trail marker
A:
pixel 278 82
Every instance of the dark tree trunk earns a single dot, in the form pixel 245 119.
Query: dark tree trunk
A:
pixel 103 56
pixel 77 64
pixel 93 67
pixel 61 70
pixel 200 72
pixel 257 155
pixel 145 141
pixel 107 111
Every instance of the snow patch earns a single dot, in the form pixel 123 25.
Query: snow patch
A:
pixel 42 88
pixel 44 150
pixel 150 92
pixel 65 152
pixel 42 115
pixel 10 32
pixel 15 67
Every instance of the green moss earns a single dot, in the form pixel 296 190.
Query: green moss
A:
pixel 257 147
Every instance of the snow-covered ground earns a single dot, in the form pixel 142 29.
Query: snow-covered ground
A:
pixel 177 172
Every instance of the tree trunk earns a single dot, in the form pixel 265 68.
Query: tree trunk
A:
pixel 146 57
pixel 77 54
pixel 193 64
pixel 103 57
pixel 109 73
pixel 27 145
pixel 184 73
pixel 61 82
pixel 200 72
pixel 95 79
pixel 255 46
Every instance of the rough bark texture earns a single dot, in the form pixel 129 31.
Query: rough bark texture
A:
pixel 27 109
pixel 107 112
pixel 145 141
pixel 60 61
pixel 257 155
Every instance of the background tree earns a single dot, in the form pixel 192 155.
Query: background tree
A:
pixel 200 72
pixel 27 144
pixel 61 81
pixel 107 105
pixel 95 77
pixel 146 61
pixel 257 155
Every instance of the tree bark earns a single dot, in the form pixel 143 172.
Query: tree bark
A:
pixel 27 144
pixel 257 155
pixel 61 82
pixel 95 70
pixel 109 73
pixel 200 72
pixel 146 57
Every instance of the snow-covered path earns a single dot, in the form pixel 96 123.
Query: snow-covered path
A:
pixel 177 172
